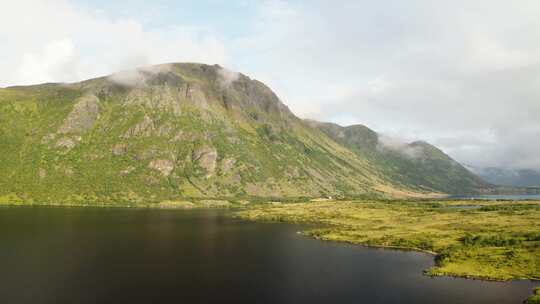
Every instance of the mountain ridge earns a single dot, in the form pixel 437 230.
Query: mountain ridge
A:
pixel 172 131
pixel 509 177
pixel 417 163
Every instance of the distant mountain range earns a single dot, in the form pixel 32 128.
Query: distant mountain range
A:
pixel 509 177
pixel 192 130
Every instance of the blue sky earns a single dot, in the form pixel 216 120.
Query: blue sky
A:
pixel 230 18
pixel 464 75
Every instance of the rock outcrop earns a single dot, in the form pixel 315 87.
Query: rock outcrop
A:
pixel 164 166
pixel 206 158
pixel 82 117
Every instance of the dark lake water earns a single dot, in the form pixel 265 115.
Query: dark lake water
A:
pixel 99 255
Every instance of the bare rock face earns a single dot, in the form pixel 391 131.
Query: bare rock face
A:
pixel 254 189
pixel 161 97
pixel 164 130
pixel 82 117
pixel 148 153
pixel 164 166
pixel 143 128
pixel 119 149
pixel 150 180
pixel 66 143
pixel 206 157
pixel 227 164
pixel 180 136
pixel 195 94
pixel 48 138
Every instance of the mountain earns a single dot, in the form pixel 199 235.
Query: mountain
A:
pixel 193 130
pixel 416 164
pixel 509 177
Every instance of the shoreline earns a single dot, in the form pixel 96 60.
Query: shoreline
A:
pixel 166 205
pixel 239 207
pixel 402 248
pixel 161 206
pixel 530 300
pixel 459 240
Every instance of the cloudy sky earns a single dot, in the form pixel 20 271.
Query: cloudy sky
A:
pixel 463 74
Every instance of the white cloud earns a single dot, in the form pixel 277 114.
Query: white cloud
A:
pixel 139 77
pixel 57 61
pixel 452 73
pixel 227 77
pixel 55 40
pixel 390 143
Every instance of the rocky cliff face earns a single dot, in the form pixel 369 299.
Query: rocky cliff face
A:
pixel 175 131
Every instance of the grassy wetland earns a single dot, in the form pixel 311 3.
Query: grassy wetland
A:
pixel 472 239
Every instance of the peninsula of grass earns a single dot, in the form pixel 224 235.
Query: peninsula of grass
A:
pixel 472 239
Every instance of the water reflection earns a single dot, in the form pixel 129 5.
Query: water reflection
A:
pixel 85 255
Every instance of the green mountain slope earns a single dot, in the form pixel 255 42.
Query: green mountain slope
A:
pixel 168 131
pixel 190 130
pixel 418 164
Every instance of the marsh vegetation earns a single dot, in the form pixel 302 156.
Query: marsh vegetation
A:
pixel 493 241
